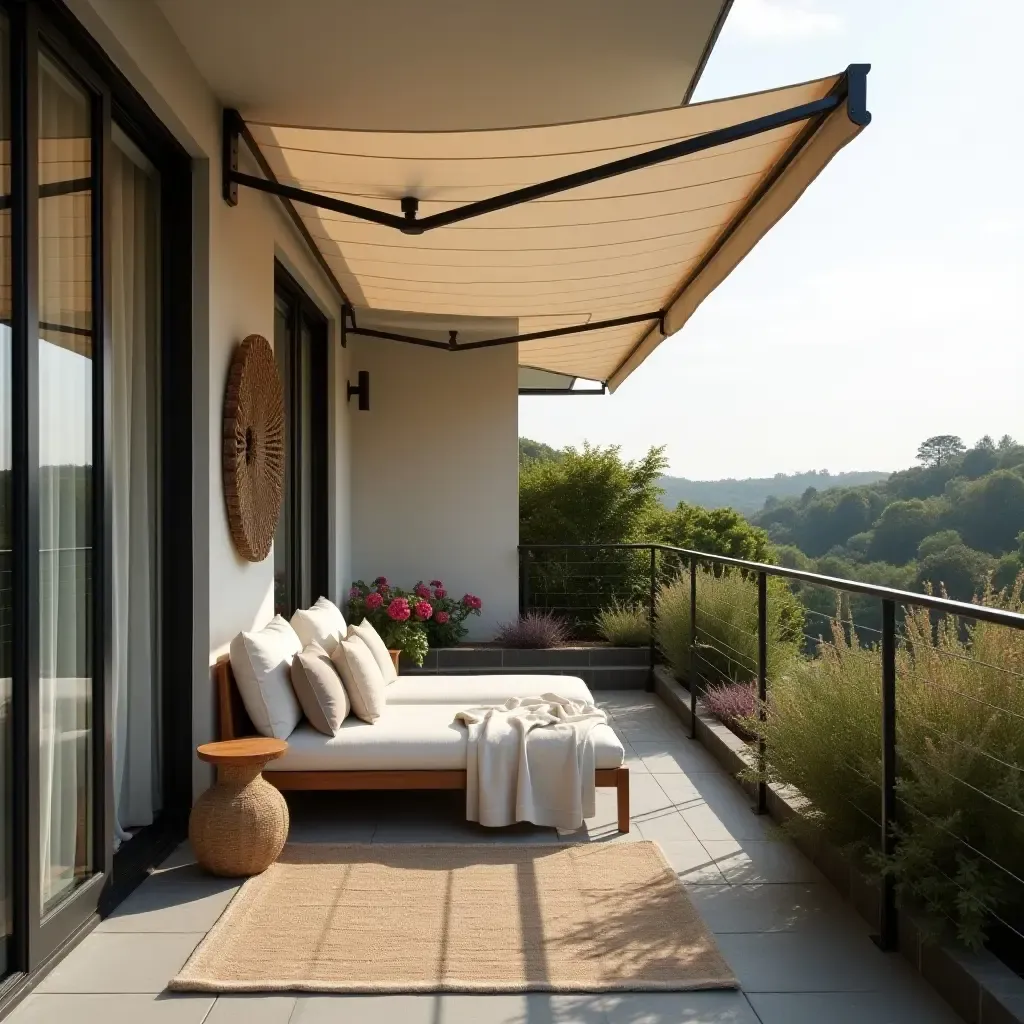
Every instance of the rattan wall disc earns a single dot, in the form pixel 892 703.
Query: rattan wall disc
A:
pixel 253 447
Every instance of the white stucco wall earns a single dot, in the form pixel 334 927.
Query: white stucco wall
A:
pixel 233 295
pixel 435 471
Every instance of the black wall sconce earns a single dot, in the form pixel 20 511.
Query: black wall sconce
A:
pixel 362 389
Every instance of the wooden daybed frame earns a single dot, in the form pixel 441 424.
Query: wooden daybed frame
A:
pixel 233 722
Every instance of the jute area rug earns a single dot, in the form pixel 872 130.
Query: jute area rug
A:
pixel 460 918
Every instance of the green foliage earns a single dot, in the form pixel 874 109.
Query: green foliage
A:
pixel 902 527
pixel 990 511
pixel 536 450
pixel 720 531
pixel 750 495
pixel 624 625
pixel 981 459
pixel 589 496
pixel 961 759
pixel 935 543
pixel 820 602
pixel 974 499
pixel 957 570
pixel 790 556
pixel 726 625
pixel 1007 569
pixel 940 448
pixel 410 638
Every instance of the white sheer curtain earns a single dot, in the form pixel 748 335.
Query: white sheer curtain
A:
pixel 134 223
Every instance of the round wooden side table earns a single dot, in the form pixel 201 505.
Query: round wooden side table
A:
pixel 240 824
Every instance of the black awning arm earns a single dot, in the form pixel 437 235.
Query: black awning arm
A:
pixel 602 390
pixel 350 327
pixel 851 89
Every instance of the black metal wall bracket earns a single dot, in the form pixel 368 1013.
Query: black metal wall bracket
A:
pixel 229 156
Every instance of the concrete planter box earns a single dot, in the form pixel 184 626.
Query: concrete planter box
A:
pixel 601 667
pixel 980 987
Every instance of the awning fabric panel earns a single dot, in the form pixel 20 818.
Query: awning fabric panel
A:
pixel 614 248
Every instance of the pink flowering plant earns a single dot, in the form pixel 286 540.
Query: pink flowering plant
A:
pixel 412 620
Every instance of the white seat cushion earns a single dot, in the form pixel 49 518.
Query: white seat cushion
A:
pixel 482 690
pixel 409 737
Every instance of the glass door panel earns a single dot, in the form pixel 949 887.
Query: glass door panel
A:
pixel 66 461
pixel 6 538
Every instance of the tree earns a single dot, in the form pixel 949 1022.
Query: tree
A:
pixel 990 511
pixel 940 448
pixel 959 570
pixel 901 527
pixel 589 496
pixel 536 450
pixel 981 459
pixel 1008 568
pixel 720 531
pixel 936 543
pixel 1006 443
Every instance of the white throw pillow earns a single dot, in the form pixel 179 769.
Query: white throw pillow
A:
pixel 261 662
pixel 378 649
pixel 361 675
pixel 323 624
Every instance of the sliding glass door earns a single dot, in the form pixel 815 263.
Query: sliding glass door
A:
pixel 6 523
pixel 67 392
pixel 300 544
pixel 91 290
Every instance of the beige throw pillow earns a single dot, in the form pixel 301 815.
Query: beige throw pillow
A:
pixel 323 623
pixel 318 686
pixel 378 649
pixel 261 662
pixel 361 675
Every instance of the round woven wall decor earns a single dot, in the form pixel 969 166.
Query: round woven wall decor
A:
pixel 253 447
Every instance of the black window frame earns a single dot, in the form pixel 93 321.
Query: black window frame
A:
pixel 302 310
pixel 39 941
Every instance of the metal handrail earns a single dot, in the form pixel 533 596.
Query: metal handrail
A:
pixel 985 613
pixel 889 597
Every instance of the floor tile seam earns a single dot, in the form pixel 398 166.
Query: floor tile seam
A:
pixel 817 991
pixel 209 1009
pixel 147 931
pixel 753 1010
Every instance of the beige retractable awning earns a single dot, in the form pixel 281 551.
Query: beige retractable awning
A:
pixel 654 240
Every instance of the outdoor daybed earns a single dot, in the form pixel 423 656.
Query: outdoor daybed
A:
pixel 416 742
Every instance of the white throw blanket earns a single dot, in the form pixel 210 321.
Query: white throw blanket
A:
pixel 531 759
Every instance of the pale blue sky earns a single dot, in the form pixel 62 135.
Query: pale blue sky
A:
pixel 888 305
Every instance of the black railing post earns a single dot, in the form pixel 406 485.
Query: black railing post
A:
pixel 524 580
pixel 652 612
pixel 762 684
pixel 888 930
pixel 693 648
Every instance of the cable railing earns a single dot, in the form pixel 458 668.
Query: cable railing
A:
pixel 904 731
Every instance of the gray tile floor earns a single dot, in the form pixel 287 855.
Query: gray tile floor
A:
pixel 801 956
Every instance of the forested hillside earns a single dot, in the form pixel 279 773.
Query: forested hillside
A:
pixel 948 523
pixel 745 496
pixel 951 521
pixel 748 496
